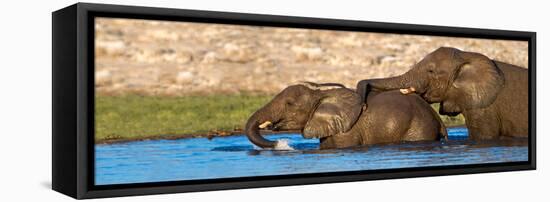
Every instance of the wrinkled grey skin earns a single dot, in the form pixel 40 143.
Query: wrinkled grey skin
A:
pixel 492 95
pixel 339 118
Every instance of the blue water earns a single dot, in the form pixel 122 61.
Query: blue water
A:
pixel 235 156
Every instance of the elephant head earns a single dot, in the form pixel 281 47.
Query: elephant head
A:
pixel 319 110
pixel 457 79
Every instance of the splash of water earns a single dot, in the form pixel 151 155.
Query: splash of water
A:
pixel 282 144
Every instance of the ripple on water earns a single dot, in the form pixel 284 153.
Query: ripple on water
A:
pixel 235 156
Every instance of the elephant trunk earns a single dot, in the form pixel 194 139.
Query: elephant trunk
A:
pixel 392 83
pixel 407 80
pixel 403 81
pixel 252 129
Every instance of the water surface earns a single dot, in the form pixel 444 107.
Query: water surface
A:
pixel 235 156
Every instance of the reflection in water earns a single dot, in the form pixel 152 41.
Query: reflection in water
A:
pixel 235 156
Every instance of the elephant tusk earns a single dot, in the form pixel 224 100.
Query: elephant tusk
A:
pixel 406 91
pixel 265 124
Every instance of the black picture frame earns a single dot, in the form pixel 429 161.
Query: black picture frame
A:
pixel 73 100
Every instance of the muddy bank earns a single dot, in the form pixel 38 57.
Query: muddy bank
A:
pixel 210 136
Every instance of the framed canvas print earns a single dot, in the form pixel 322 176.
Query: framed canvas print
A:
pixel 156 100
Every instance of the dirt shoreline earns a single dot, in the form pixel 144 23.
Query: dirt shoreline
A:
pixel 209 136
pixel 184 136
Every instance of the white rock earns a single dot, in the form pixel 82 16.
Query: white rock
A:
pixel 210 57
pixel 184 77
pixel 304 53
pixel 103 77
pixel 111 47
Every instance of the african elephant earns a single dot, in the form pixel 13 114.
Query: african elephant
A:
pixel 492 95
pixel 339 118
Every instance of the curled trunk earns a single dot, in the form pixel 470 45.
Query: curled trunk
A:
pixel 252 130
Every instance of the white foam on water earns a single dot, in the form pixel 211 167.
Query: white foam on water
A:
pixel 282 144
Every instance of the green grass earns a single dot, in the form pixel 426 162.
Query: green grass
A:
pixel 135 117
pixel 449 120
pixel 138 117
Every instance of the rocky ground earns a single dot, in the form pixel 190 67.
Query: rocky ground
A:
pixel 174 59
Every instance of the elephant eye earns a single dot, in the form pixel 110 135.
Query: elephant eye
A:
pixel 431 68
pixel 289 103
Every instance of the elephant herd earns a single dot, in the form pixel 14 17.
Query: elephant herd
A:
pixel 492 96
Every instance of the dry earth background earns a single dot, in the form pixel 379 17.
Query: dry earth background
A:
pixel 173 58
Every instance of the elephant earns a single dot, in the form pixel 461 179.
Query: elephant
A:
pixel 338 117
pixel 492 95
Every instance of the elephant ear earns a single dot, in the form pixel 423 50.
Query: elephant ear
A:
pixel 477 81
pixel 336 113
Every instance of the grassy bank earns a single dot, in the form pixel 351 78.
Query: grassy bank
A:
pixel 450 121
pixel 139 117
